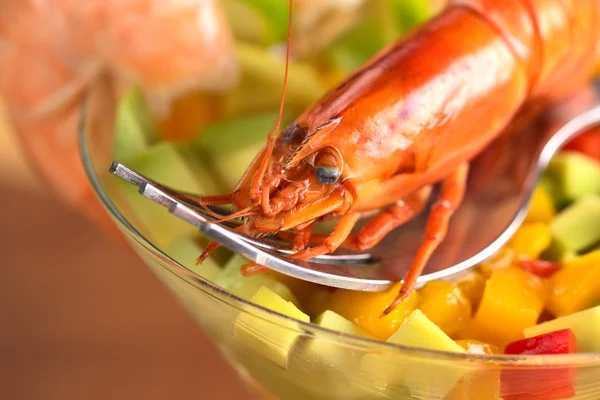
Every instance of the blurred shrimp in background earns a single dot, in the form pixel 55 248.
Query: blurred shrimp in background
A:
pixel 51 51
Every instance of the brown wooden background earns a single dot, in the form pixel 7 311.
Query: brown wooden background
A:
pixel 80 317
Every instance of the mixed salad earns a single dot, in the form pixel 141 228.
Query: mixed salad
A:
pixel 539 295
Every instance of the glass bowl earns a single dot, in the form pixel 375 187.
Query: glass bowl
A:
pixel 321 364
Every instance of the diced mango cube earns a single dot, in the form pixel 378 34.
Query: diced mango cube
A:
pixel 541 208
pixel 188 115
pixel 445 305
pixel 584 324
pixel 576 286
pixel 365 309
pixel 273 340
pixel 417 374
pixel 530 240
pixel 472 284
pixel 512 301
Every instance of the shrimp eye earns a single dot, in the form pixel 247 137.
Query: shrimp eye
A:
pixel 327 175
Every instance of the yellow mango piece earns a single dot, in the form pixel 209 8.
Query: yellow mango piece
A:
pixel 445 305
pixel 274 341
pixel 576 286
pixel 584 324
pixel 365 308
pixel 415 373
pixel 541 208
pixel 512 301
pixel 530 240
pixel 472 284
pixel 188 115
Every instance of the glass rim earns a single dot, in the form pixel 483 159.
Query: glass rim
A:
pixel 215 291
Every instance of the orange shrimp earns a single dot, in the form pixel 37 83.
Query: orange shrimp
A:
pixel 51 52
pixel 411 117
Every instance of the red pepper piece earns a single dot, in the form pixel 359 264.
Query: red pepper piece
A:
pixel 587 143
pixel 541 268
pixel 548 383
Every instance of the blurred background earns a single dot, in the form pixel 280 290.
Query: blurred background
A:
pixel 81 316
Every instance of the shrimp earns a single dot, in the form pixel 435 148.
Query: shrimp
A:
pixel 52 52
pixel 411 117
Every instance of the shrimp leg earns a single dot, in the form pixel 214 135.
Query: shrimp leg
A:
pixel 452 192
pixel 385 222
pixel 333 241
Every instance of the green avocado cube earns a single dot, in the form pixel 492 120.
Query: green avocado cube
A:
pixel 577 227
pixel 576 174
pixel 134 127
pixel 273 340
pixel 334 354
pixel 230 146
pixel 232 279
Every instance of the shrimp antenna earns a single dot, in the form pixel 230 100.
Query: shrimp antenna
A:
pixel 262 169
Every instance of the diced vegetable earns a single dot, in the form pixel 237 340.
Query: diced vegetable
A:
pixel 577 227
pixel 262 72
pixel 357 46
pixel 551 383
pixel 262 21
pixel 188 115
pixel 333 354
pixel 512 301
pixel 576 174
pixel 168 163
pixel 186 250
pixel 365 308
pixel 584 324
pixel 552 187
pixel 542 207
pixel 416 331
pixel 541 268
pixel 410 13
pixel 576 286
pixel 445 305
pixel 472 284
pixel 134 128
pixel 246 287
pixel 419 331
pixel 557 342
pixel 240 139
pixel 530 240
pixel 272 340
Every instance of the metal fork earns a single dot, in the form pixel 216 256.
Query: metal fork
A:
pixel 501 182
